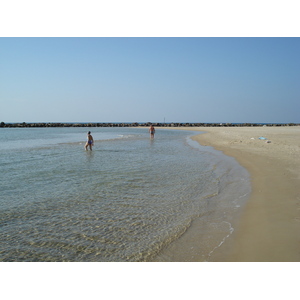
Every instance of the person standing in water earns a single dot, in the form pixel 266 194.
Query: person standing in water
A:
pixel 152 131
pixel 90 141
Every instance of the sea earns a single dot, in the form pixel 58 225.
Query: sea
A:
pixel 127 200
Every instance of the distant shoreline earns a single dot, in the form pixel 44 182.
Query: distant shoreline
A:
pixel 136 124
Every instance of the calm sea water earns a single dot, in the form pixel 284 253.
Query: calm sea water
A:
pixel 126 200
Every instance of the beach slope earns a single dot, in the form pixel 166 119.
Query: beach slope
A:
pixel 269 228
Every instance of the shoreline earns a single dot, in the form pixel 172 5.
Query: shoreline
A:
pixel 136 124
pixel 269 226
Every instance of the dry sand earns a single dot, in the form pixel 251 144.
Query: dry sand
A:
pixel 269 227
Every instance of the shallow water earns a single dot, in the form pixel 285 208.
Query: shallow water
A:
pixel 126 200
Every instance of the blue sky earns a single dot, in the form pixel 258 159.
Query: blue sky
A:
pixel 150 79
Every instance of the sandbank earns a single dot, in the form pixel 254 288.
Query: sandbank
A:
pixel 269 227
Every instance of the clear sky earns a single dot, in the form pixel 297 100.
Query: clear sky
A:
pixel 150 79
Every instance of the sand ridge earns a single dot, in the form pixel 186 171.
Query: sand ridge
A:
pixel 269 228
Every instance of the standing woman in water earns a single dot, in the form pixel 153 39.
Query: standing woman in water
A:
pixel 90 141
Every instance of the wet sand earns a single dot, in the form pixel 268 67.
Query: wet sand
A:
pixel 269 227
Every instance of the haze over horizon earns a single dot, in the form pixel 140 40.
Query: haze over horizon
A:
pixel 186 80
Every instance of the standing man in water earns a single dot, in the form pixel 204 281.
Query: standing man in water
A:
pixel 152 131
pixel 90 141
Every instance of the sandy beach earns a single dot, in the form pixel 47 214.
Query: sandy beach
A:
pixel 269 227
